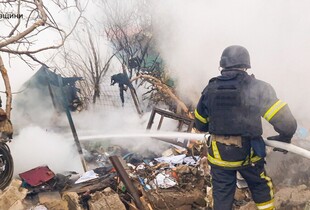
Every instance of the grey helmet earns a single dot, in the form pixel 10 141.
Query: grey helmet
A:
pixel 235 56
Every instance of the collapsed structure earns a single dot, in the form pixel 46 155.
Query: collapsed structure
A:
pixel 51 89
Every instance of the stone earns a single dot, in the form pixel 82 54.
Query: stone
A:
pixel 12 194
pixel 101 201
pixel 52 201
pixel 249 206
pixel 107 190
pixel 72 199
pixel 292 197
pixel 18 205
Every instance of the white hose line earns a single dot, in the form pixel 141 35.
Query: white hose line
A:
pixel 197 136
pixel 289 147
pixel 170 135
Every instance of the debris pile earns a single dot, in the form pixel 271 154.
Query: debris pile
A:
pixel 174 180
pixel 177 178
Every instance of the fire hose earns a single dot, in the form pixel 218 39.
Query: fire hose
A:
pixel 197 136
pixel 6 165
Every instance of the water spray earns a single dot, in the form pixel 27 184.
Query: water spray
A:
pixel 194 136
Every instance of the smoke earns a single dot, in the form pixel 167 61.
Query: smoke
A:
pixel 33 107
pixel 35 147
pixel 191 36
pixel 44 143
pixel 43 137
pixel 122 121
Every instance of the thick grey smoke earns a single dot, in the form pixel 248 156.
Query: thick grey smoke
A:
pixel 35 146
pixel 192 35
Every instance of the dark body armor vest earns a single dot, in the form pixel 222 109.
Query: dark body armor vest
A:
pixel 232 107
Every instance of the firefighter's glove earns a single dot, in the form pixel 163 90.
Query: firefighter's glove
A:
pixel 280 138
pixel 285 139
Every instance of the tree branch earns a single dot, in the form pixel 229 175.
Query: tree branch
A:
pixel 39 22
pixel 160 86
pixel 7 85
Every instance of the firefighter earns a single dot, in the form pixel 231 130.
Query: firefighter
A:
pixel 123 82
pixel 230 109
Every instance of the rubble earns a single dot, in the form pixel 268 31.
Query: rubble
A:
pixel 174 179
pixel 175 199
pixel 12 196
pixel 72 199
pixel 103 200
pixel 52 200
pixel 297 197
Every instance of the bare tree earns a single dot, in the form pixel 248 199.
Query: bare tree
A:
pixel 7 85
pixel 129 29
pixel 87 59
pixel 23 22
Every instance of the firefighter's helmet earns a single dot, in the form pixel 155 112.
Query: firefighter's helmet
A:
pixel 235 56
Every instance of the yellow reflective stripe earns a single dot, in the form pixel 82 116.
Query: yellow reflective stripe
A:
pixel 269 205
pixel 199 117
pixel 269 183
pixel 230 164
pixel 274 110
pixel 216 152
pixel 252 152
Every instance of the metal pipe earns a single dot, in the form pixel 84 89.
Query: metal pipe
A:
pixel 127 182
pixel 72 126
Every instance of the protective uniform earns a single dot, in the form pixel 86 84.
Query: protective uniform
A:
pixel 122 80
pixel 230 109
